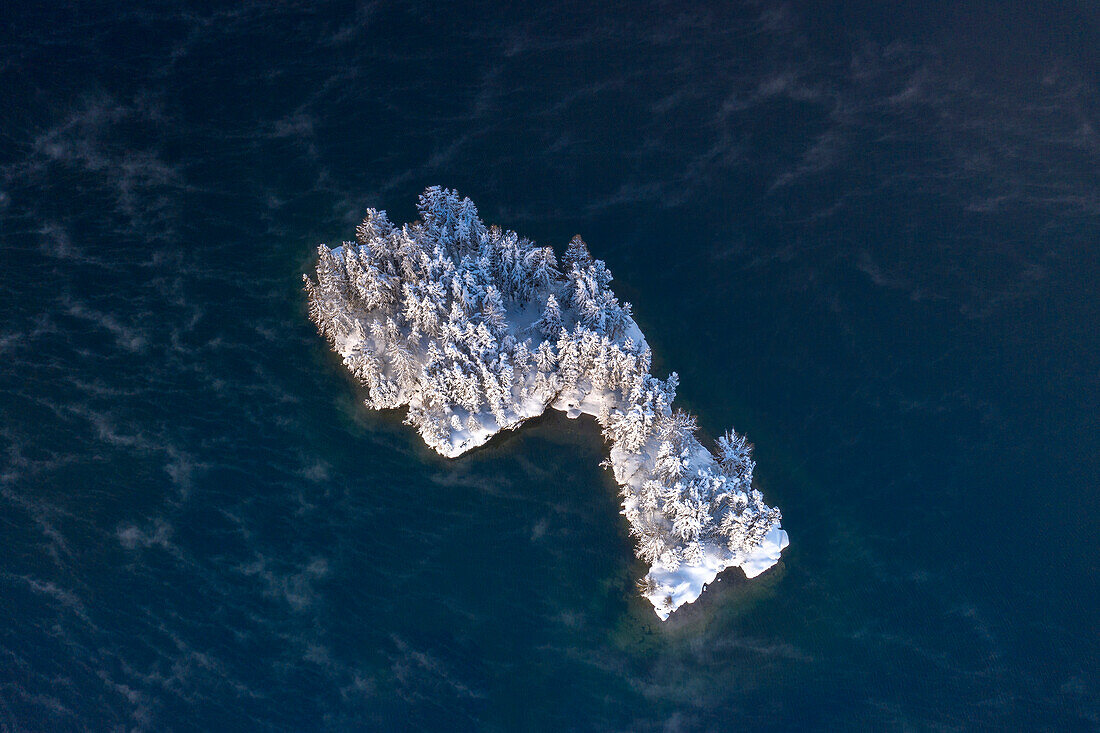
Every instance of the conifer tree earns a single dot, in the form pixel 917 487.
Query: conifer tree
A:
pixel 374 227
pixel 521 357
pixel 550 324
pixel 492 310
pixel 577 254
pixel 735 456
pixel 569 359
pixel 404 366
pixel 543 267
pixel 546 359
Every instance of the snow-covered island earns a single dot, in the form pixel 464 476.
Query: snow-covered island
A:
pixel 475 330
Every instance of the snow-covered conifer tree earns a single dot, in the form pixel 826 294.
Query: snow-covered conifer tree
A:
pixel 521 357
pixel 600 372
pixel 569 359
pixel 543 267
pixel 492 310
pixel 405 368
pixel 546 358
pixel 375 227
pixel 735 454
pixel 550 324
pixel 577 254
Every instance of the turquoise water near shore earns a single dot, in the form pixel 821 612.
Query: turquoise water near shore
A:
pixel 864 237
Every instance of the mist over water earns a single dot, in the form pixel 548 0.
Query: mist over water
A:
pixel 864 237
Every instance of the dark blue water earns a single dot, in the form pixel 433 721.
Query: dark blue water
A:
pixel 866 234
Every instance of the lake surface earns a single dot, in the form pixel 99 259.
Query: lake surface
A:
pixel 866 237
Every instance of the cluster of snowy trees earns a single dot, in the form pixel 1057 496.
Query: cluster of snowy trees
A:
pixel 476 329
